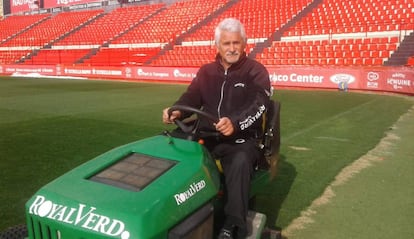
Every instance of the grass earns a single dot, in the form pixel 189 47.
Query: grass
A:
pixel 376 202
pixel 49 126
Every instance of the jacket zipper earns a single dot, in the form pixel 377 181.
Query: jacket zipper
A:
pixel 222 94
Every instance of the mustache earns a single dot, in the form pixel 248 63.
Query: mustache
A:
pixel 232 53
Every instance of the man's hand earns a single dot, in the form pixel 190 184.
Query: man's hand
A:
pixel 224 126
pixel 169 119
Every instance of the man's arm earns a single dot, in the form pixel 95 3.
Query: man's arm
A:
pixel 257 100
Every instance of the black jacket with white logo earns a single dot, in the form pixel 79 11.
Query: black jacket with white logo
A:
pixel 240 93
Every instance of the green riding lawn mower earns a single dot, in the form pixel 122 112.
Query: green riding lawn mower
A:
pixel 162 187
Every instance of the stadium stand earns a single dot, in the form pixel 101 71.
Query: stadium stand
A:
pixel 351 32
pixel 352 51
pixel 43 34
pixel 163 29
pixel 172 22
pixel 124 53
pixel 261 19
pixel 303 32
pixel 98 33
pixel 109 26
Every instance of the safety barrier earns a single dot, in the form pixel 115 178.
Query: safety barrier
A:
pixel 381 79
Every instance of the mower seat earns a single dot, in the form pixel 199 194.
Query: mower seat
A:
pixel 271 135
pixel 266 170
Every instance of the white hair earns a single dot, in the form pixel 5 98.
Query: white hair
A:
pixel 230 25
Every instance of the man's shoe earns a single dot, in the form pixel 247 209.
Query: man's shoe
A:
pixel 225 234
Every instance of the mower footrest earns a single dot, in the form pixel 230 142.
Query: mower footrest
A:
pixel 256 222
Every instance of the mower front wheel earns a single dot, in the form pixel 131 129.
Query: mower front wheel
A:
pixel 14 232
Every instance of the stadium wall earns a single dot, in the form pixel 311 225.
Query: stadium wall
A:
pixel 379 79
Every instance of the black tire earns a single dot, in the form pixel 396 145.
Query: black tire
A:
pixel 15 232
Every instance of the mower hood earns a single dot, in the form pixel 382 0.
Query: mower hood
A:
pixel 138 190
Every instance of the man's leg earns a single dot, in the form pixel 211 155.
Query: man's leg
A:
pixel 238 166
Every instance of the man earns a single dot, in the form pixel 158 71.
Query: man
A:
pixel 236 89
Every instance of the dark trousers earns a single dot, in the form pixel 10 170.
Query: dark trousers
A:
pixel 238 161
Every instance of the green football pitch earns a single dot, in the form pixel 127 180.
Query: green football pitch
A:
pixel 49 126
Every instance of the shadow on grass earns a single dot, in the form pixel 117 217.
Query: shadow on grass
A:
pixel 271 196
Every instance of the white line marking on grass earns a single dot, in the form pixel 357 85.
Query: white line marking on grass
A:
pixel 332 138
pixel 299 148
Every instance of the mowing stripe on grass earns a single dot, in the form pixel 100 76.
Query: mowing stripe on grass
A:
pixel 337 116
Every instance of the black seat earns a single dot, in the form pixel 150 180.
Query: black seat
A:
pixel 270 143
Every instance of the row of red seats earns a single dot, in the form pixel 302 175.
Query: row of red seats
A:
pixel 190 55
pixel 54 57
pixel 410 61
pixel 110 25
pixel 165 26
pixel 12 25
pixel 336 16
pixel 13 56
pixel 261 18
pixel 122 56
pixel 339 52
pixel 51 29
pixel 324 61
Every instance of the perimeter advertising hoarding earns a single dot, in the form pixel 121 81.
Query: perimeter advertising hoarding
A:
pixel 387 79
pixel 61 3
pixel 17 6
pixel 28 70
pixel 131 73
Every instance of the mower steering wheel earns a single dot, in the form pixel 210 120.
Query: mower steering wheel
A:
pixel 183 126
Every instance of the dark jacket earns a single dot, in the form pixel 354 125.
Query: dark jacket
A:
pixel 240 93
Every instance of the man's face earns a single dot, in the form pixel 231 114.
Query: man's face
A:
pixel 230 47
